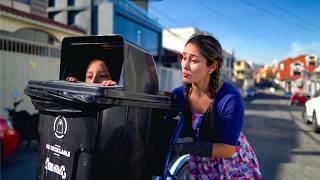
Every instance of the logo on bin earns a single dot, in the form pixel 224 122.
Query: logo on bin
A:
pixel 60 170
pixel 60 126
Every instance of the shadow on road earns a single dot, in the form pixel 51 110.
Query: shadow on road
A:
pixel 21 164
pixel 272 144
pixel 271 137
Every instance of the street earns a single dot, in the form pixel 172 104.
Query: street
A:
pixel 285 146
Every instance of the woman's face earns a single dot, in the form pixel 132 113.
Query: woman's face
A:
pixel 194 67
pixel 97 72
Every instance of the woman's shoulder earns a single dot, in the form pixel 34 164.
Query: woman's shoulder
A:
pixel 228 92
pixel 228 99
pixel 178 90
pixel 178 96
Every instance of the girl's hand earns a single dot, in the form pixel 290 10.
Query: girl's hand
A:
pixel 108 83
pixel 72 79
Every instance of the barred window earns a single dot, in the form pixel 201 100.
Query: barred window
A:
pixel 28 48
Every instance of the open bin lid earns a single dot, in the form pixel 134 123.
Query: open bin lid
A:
pixel 129 66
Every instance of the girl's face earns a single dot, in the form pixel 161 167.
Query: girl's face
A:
pixel 194 67
pixel 97 72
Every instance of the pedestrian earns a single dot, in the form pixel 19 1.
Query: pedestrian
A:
pixel 213 111
pixel 97 72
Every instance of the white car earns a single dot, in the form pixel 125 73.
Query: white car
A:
pixel 312 113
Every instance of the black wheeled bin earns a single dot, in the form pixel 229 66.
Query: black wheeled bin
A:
pixel 88 131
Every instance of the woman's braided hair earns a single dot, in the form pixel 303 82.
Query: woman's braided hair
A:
pixel 210 48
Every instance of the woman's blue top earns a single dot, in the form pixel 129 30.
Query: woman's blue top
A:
pixel 228 116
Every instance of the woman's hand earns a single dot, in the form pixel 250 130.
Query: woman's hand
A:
pixel 108 83
pixel 72 79
pixel 223 150
pixel 195 147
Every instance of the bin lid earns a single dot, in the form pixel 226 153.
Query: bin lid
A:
pixel 127 63
pixel 86 93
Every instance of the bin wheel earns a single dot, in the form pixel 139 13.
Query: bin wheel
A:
pixel 180 168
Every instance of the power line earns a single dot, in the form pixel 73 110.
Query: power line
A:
pixel 170 20
pixel 233 23
pixel 166 17
pixel 293 15
pixel 274 15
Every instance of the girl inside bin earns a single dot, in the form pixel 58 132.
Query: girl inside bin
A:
pixel 213 111
pixel 97 72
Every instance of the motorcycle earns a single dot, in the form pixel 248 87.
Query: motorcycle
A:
pixel 24 123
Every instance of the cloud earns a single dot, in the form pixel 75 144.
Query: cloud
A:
pixel 298 48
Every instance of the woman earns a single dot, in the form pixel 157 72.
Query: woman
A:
pixel 214 113
pixel 97 72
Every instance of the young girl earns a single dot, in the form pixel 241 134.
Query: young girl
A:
pixel 97 72
pixel 214 113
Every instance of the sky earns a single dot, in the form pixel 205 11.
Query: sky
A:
pixel 260 31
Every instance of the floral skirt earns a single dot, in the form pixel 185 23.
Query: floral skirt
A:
pixel 242 165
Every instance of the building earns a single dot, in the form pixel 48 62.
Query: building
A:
pixel 26 29
pixel 30 48
pixel 101 17
pixel 297 67
pixel 242 70
pixel 266 73
pixel 293 71
pixel 36 7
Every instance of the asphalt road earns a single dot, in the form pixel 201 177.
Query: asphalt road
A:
pixel 285 146
pixel 20 165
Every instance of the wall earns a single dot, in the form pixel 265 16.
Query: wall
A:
pixel 16 70
pixel 169 78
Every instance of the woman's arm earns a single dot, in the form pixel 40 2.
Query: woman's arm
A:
pixel 221 150
pixel 204 148
pixel 231 121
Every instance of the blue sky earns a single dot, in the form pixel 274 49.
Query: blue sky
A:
pixel 261 31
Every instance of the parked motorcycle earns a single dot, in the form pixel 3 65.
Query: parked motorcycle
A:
pixel 24 123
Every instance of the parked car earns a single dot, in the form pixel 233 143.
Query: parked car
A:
pixel 298 98
pixel 312 112
pixel 9 138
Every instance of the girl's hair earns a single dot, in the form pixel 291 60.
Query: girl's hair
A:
pixel 210 48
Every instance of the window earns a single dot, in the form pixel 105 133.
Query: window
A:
pixel 312 60
pixel 297 68
pixel 281 66
pixel 51 3
pixel 25 1
pixel 28 48
pixel 138 34
pixel 296 73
